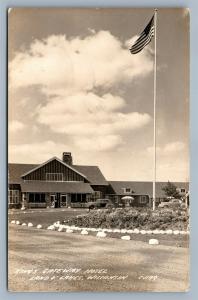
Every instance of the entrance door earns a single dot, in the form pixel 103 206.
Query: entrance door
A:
pixel 52 199
pixel 63 200
pixel 57 200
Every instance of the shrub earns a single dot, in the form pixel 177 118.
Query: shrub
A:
pixel 130 218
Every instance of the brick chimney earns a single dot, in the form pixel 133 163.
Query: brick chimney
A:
pixel 67 158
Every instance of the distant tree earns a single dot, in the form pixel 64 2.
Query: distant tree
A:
pixel 171 190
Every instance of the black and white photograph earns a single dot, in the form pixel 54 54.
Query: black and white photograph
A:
pixel 98 149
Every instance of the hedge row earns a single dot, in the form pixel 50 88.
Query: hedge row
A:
pixel 131 218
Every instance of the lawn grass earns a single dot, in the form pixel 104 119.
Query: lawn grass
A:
pixel 46 218
pixel 43 217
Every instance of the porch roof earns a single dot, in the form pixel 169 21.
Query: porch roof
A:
pixel 56 187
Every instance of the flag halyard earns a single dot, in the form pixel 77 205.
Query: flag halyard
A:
pixel 144 38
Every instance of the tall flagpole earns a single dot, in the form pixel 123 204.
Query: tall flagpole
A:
pixel 154 111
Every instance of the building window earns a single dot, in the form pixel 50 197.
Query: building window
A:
pixel 31 197
pixel 74 198
pixel 84 198
pixel 97 195
pixel 13 196
pixel 183 190
pixel 63 200
pixel 78 198
pixel 88 198
pixel 36 198
pixel 143 199
pixel 54 176
pixel 127 190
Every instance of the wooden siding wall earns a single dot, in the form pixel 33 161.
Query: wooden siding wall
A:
pixel 54 167
pixel 101 188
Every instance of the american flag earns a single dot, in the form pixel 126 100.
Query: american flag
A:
pixel 144 38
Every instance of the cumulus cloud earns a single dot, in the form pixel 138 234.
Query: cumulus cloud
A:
pixel 150 150
pixel 91 30
pixel 100 143
pixel 174 147
pixel 89 114
pixel 69 71
pixel 176 170
pixel 169 148
pixel 58 63
pixel 38 152
pixel 15 126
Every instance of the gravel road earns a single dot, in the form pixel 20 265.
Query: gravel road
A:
pixel 41 260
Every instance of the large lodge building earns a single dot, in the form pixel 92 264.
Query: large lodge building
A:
pixel 59 183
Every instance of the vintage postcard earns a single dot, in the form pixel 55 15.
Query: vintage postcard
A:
pixel 98 149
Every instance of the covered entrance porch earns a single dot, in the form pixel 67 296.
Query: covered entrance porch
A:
pixel 44 194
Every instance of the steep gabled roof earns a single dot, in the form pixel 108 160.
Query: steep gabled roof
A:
pixel 93 173
pixel 51 159
pixel 144 187
pixel 16 170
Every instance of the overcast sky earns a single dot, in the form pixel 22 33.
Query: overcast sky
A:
pixel 74 86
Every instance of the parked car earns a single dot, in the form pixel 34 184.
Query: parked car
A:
pixel 170 203
pixel 100 203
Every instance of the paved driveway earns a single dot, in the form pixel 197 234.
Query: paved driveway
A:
pixel 41 260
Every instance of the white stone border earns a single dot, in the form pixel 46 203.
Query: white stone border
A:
pixel 103 231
